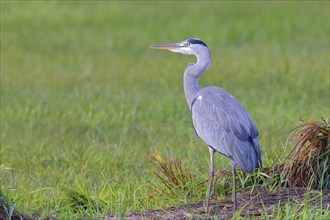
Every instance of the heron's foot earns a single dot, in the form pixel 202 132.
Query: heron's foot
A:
pixel 235 206
pixel 207 206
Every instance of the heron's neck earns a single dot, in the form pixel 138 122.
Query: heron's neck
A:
pixel 191 87
pixel 191 75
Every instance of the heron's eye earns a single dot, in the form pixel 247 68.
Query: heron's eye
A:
pixel 187 44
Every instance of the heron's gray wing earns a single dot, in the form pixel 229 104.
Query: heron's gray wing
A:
pixel 224 124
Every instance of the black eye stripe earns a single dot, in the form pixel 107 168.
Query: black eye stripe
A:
pixel 195 41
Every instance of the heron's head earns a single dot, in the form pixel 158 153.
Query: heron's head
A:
pixel 191 46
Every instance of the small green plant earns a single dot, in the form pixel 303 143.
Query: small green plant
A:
pixel 80 201
pixel 299 211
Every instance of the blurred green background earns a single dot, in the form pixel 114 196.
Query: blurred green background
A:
pixel 84 100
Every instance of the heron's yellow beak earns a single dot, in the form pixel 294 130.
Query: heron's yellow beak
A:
pixel 165 46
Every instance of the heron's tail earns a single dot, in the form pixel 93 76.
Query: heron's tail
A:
pixel 250 159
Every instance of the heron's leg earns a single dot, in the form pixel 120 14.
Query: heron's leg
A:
pixel 234 188
pixel 210 179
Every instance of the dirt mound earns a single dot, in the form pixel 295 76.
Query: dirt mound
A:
pixel 254 205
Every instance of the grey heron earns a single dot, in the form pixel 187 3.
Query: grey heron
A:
pixel 218 117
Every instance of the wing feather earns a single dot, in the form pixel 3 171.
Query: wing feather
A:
pixel 224 124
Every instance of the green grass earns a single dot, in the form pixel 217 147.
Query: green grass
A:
pixel 84 101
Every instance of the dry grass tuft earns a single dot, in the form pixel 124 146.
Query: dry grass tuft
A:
pixel 308 163
pixel 174 175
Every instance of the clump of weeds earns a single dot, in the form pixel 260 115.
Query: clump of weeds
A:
pixel 307 165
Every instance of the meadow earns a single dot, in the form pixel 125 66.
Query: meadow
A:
pixel 84 101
